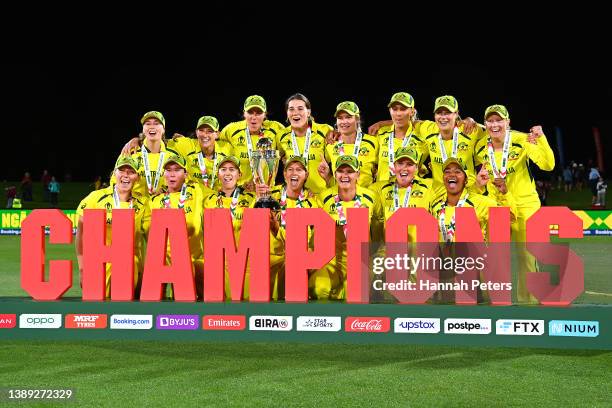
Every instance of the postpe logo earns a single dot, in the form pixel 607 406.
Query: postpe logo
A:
pixel 573 328
pixel 367 324
pixel 85 321
pixel 514 327
pixel 416 325
pixel 274 323
pixel 467 326
pixel 40 321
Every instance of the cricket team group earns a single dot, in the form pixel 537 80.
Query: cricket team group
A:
pixel 401 162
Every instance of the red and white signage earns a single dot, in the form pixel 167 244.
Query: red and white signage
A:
pixel 8 321
pixel 85 321
pixel 367 324
pixel 224 322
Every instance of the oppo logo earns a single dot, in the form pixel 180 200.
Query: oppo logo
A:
pixel 40 321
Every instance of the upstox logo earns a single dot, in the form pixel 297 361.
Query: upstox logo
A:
pixel 573 328
pixel 40 321
pixel 274 323
pixel 416 325
pixel 131 322
pixel 467 326
pixel 519 327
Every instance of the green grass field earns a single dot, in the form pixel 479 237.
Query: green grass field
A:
pixel 151 373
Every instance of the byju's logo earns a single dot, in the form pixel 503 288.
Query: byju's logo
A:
pixel 519 327
pixel 319 323
pixel 40 321
pixel 416 325
pixel 131 322
pixel 274 323
pixel 177 322
pixel 467 326
pixel 573 328
pixel 8 321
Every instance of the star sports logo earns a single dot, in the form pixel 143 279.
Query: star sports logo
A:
pixel 319 323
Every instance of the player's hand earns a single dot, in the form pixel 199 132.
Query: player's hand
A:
pixel 332 137
pixel 323 168
pixel 482 178
pixel 500 185
pixel 177 136
pixel 249 186
pixel 130 147
pixel 274 224
pixel 534 133
pixel 262 190
pixel 469 125
pixel 373 129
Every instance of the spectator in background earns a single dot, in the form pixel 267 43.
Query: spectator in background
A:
pixel 580 173
pixel 54 189
pixel 567 179
pixel 11 193
pixel 45 179
pixel 26 187
pixel 594 177
pixel 601 192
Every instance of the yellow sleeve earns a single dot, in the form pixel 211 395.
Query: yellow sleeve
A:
pixel 83 205
pixel 541 153
pixel 182 145
pixel 145 222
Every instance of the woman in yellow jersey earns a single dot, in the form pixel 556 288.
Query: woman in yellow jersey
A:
pixel 182 193
pixel 236 199
pixel 152 154
pixel 329 282
pixel 305 138
pixel 244 135
pixel 351 142
pixel 508 155
pixel 119 195
pixel 400 133
pixel 457 195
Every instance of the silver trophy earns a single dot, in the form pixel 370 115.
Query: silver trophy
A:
pixel 264 162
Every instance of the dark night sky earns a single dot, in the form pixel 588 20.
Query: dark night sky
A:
pixel 74 116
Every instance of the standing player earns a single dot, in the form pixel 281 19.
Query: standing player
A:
pixel 182 193
pixel 236 199
pixel 352 142
pixel 305 138
pixel 508 155
pixel 401 133
pixel 245 134
pixel 329 282
pixel 121 194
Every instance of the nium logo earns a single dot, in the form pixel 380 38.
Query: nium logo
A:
pixel 467 326
pixel 573 328
pixel 224 322
pixel 85 321
pixel 319 323
pixel 367 324
pixel 177 322
pixel 515 327
pixel 416 325
pixel 131 322
pixel 40 321
pixel 274 323
pixel 8 321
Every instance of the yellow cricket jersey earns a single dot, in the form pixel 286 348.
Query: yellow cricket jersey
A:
pixel 411 140
pixel 519 179
pixel 219 200
pixel 428 132
pixel 420 195
pixel 367 155
pixel 277 243
pixel 315 182
pixel 481 205
pixel 155 170
pixel 235 134
pixel 103 199
pixel 193 207
pixel 190 149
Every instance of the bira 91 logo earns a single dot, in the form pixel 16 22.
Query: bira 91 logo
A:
pixel 85 321
pixel 367 324
pixel 467 326
pixel 274 323
pixel 8 321
pixel 224 322
pixel 40 321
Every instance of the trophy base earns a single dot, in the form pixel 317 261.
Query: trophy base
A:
pixel 268 202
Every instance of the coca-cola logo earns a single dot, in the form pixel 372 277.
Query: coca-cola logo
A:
pixel 367 324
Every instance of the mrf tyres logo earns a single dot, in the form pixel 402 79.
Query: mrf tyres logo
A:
pixel 85 321
pixel 467 326
pixel 40 321
pixel 271 323
pixel 416 325
pixel 367 324
pixel 513 327
pixel 573 328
